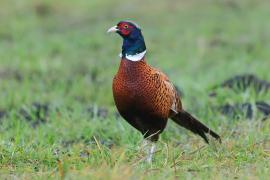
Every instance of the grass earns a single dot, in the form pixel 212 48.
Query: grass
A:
pixel 56 69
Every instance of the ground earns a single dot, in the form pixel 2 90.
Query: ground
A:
pixel 57 115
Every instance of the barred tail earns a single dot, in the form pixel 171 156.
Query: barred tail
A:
pixel 189 122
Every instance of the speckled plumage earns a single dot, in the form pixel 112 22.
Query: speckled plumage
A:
pixel 144 96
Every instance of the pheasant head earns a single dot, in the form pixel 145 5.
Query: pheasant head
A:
pixel 133 47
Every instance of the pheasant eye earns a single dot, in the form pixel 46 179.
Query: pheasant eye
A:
pixel 125 26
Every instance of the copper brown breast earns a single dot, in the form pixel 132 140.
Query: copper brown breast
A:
pixel 142 96
pixel 139 86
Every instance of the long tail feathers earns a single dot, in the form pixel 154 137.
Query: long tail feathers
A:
pixel 189 122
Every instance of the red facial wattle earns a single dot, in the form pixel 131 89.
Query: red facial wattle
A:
pixel 125 32
pixel 125 29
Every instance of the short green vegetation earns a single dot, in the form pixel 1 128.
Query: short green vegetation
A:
pixel 57 115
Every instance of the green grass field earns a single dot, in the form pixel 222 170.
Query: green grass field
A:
pixel 57 115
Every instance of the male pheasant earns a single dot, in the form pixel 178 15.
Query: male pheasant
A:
pixel 143 95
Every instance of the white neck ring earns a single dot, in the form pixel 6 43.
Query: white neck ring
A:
pixel 135 57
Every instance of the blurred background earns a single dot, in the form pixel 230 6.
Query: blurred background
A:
pixel 57 64
pixel 58 51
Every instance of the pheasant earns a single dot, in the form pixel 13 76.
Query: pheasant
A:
pixel 144 96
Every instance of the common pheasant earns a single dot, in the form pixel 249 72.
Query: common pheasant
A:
pixel 144 96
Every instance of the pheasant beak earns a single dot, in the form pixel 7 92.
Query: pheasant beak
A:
pixel 112 29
